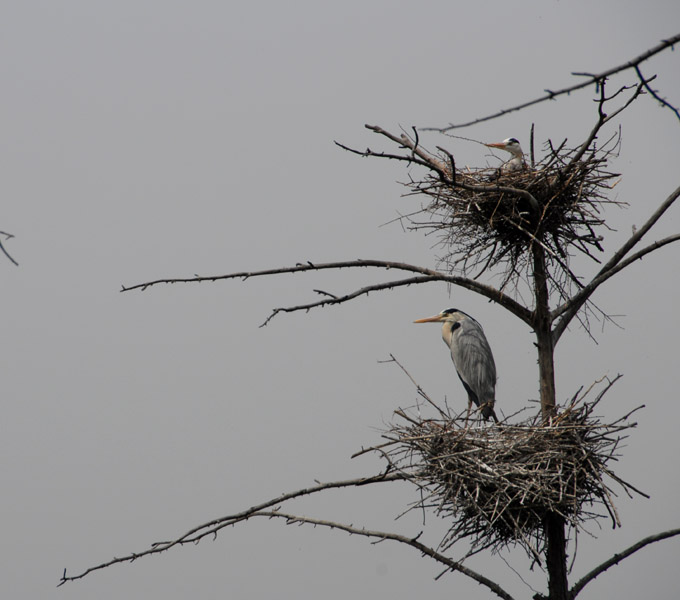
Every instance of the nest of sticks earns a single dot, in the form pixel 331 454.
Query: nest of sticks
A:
pixel 495 485
pixel 489 216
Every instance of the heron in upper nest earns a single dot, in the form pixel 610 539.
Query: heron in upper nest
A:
pixel 512 146
pixel 472 357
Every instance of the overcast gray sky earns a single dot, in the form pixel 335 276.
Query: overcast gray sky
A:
pixel 149 139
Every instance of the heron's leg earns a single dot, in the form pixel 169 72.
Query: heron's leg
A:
pixel 484 408
pixel 467 416
pixel 495 418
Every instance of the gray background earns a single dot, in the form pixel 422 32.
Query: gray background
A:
pixel 148 139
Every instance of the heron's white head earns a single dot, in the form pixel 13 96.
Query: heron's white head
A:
pixel 450 319
pixel 510 145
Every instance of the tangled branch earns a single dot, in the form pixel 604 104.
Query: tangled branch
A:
pixel 590 79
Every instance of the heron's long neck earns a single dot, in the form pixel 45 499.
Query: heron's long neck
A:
pixel 447 332
pixel 515 163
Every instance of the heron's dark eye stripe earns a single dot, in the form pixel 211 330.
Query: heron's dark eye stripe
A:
pixel 514 140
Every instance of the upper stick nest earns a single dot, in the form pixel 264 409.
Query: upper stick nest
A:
pixel 497 484
pixel 491 216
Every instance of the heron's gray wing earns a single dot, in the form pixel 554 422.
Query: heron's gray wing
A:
pixel 473 359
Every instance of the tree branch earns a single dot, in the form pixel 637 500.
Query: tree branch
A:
pixel 416 150
pixel 2 247
pixel 421 157
pixel 428 275
pixel 211 528
pixel 368 152
pixel 640 254
pixel 568 310
pixel 551 95
pixel 383 535
pixel 581 583
pixel 655 95
pixel 196 534
pixel 604 117
pixel 364 291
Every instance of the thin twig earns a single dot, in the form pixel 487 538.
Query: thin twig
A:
pixel 420 390
pixel 654 94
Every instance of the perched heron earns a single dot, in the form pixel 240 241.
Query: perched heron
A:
pixel 512 146
pixel 471 356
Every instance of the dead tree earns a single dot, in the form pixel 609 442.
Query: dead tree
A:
pixel 542 475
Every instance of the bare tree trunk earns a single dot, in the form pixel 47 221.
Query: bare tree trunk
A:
pixel 554 525
pixel 556 557
pixel 543 330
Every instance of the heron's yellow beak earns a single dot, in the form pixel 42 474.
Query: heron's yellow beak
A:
pixel 500 145
pixel 434 319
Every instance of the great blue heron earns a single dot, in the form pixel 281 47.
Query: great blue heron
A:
pixel 471 356
pixel 512 146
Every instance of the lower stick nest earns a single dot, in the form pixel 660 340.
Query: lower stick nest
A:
pixel 497 484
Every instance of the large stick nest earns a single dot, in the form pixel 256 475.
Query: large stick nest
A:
pixel 496 484
pixel 490 216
